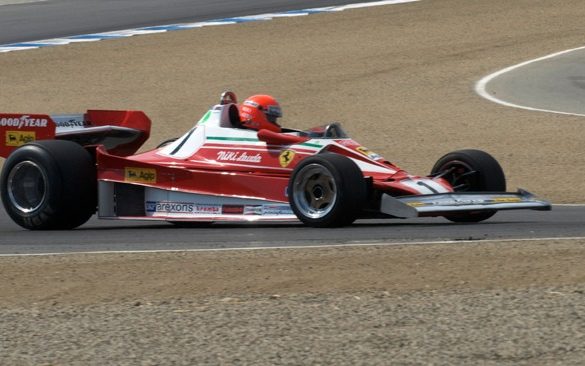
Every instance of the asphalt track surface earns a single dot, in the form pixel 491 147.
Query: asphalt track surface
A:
pixel 35 20
pixel 107 235
pixel 55 18
pixel 553 83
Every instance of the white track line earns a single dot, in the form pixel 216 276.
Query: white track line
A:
pixel 348 245
pixel 18 2
pixel 174 27
pixel 480 86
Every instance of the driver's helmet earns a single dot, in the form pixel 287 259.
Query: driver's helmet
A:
pixel 260 112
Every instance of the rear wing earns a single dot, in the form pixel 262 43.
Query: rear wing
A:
pixel 120 132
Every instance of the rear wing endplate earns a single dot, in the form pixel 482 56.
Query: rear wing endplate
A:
pixel 120 132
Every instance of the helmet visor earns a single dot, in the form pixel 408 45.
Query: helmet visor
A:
pixel 273 112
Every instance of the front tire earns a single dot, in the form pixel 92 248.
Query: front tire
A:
pixel 49 185
pixel 327 190
pixel 471 171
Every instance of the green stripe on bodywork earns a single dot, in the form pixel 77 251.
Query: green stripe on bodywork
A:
pixel 205 118
pixel 310 144
pixel 250 139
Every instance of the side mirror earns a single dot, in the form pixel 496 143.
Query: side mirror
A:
pixel 228 97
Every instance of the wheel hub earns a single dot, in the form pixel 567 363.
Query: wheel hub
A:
pixel 27 186
pixel 315 191
pixel 318 192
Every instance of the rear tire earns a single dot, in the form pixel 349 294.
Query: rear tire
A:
pixel 49 185
pixel 327 190
pixel 471 171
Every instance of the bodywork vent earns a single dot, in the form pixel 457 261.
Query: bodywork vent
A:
pixel 129 200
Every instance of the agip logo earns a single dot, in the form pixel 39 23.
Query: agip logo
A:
pixel 139 175
pixel 286 157
pixel 19 138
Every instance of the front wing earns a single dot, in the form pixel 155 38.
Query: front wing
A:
pixel 448 203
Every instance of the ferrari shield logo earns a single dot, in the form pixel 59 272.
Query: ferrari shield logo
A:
pixel 370 154
pixel 363 150
pixel 286 157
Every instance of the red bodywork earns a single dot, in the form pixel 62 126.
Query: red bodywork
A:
pixel 217 171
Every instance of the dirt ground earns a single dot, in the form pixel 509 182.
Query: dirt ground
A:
pixel 90 279
pixel 400 79
pixel 514 303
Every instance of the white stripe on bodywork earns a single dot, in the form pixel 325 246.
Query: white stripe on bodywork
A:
pixel 189 144
pixel 372 168
pixel 424 185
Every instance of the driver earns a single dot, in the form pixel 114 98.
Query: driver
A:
pixel 260 112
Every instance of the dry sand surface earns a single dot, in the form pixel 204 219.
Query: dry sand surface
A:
pixel 400 78
pixel 484 303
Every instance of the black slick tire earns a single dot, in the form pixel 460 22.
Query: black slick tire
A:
pixel 49 185
pixel 327 190
pixel 471 171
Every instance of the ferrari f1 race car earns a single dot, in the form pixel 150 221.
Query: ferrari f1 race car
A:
pixel 62 169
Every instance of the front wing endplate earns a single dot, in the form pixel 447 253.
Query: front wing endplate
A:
pixel 444 203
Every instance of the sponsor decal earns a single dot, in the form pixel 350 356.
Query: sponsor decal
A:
pixel 171 207
pixel 232 209
pixel 239 157
pixel 454 202
pixel 151 206
pixel 207 209
pixel 507 199
pixel 251 103
pixel 469 201
pixel 140 175
pixel 23 122
pixel 370 154
pixel 271 209
pixel 19 138
pixel 253 210
pixel 277 210
pixel 72 123
pixel 286 157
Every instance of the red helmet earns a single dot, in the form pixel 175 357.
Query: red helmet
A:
pixel 260 112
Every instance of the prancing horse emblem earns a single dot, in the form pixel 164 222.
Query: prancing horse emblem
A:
pixel 286 157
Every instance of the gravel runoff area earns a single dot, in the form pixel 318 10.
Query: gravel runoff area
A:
pixel 542 326
pixel 401 79
pixel 473 303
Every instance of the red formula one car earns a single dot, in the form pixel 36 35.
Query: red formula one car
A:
pixel 60 170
